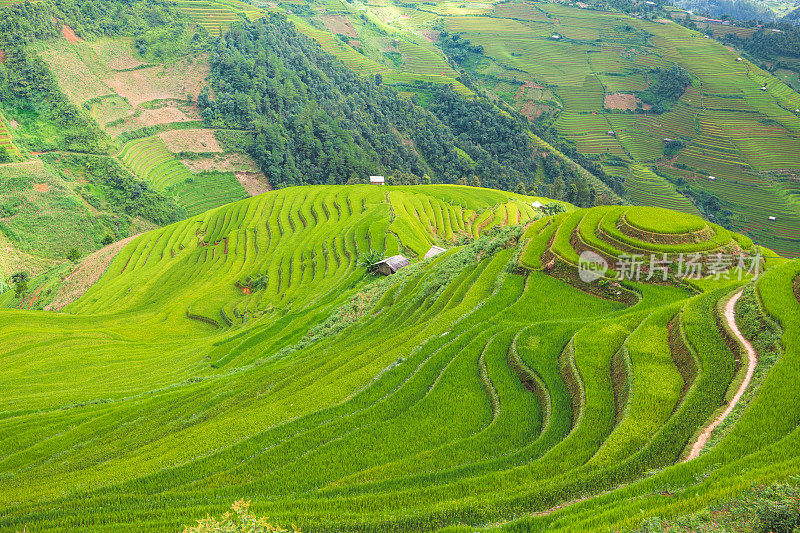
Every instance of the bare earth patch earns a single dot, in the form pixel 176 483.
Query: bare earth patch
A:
pixel 195 140
pixel 223 163
pixel 117 54
pixel 2 56
pixel 86 274
pixel 73 76
pixel 624 101
pixel 154 117
pixel 177 80
pixel 339 24
pixel 41 187
pixel 254 183
pixel 69 34
pixel 431 36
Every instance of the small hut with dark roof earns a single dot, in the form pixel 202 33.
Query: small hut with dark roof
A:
pixel 390 265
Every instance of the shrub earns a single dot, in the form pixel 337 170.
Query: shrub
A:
pixel 238 521
pixel 777 509
pixel 73 254
pixel 255 282
pixel 108 239
pixel 368 260
pixel 20 281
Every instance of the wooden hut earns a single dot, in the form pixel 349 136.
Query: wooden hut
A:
pixel 390 265
pixel 434 251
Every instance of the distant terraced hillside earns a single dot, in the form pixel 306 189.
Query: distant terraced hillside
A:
pixel 245 353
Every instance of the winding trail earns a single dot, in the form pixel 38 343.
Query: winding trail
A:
pixel 730 307
pixel 697 447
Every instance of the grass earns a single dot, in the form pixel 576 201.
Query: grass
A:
pixel 337 401
pixel 150 160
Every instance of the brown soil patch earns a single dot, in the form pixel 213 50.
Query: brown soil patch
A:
pixel 41 187
pixel 194 140
pixel 254 183
pixel 118 53
pixel 339 24
pixel 624 101
pixel 172 81
pixel 355 44
pixel 165 115
pixel 664 21
pixel 172 112
pixel 432 36
pixel 86 274
pixel 69 34
pixel 2 56
pixel 223 163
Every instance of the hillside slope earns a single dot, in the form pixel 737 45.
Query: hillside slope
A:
pixel 244 353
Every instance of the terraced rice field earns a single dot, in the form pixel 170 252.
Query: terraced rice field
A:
pixel 732 129
pixel 216 16
pixel 6 140
pixel 151 160
pixel 337 401
pixel 647 188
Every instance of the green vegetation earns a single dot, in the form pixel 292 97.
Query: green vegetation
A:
pixel 301 108
pixel 272 368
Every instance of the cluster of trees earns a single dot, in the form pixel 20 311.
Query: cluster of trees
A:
pixel 564 183
pixel 792 17
pixel 458 48
pixel 729 9
pixel 316 121
pixel 666 86
pixel 767 43
pixel 112 188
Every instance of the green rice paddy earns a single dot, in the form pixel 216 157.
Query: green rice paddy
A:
pixel 476 388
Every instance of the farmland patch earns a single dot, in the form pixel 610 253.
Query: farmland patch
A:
pixel 625 102
pixel 179 80
pixel 192 140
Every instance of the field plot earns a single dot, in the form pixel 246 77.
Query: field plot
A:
pixel 647 188
pixel 180 80
pixel 216 16
pixel 153 160
pixel 191 140
pixel 77 81
pixel 382 396
pixel 150 160
pixel 33 197
pixel 6 140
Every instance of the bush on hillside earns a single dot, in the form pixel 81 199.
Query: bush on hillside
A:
pixel 238 521
pixel 766 509
pixel 368 260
